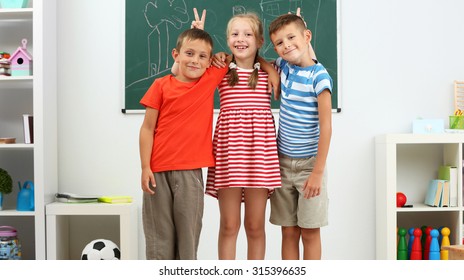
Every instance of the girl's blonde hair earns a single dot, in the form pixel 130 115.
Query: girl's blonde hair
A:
pixel 257 27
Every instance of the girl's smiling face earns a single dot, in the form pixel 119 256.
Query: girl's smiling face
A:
pixel 242 40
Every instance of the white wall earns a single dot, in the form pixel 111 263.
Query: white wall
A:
pixel 398 61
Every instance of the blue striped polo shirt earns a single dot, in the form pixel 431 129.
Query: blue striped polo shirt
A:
pixel 298 134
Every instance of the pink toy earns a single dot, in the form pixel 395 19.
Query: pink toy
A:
pixel 21 61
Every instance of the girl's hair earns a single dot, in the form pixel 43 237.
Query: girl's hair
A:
pixel 257 27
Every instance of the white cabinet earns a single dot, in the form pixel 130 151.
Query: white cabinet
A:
pixel 406 163
pixel 62 244
pixel 35 95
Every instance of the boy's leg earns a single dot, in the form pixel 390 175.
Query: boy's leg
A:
pixel 291 243
pixel 255 211
pixel 158 222
pixel 312 213
pixel 230 202
pixel 311 243
pixel 188 211
pixel 284 207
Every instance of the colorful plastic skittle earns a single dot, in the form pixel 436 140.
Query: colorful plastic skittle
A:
pixel 416 250
pixel 445 232
pixel 402 250
pixel 428 240
pixel 434 250
pixel 411 240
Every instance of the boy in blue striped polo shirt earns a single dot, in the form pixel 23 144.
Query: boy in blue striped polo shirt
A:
pixel 300 207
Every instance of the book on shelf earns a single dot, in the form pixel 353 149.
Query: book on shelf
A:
pixel 445 195
pixel 115 199
pixel 28 124
pixel 75 198
pixel 434 192
pixel 450 173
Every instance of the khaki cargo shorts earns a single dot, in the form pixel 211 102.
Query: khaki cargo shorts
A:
pixel 288 205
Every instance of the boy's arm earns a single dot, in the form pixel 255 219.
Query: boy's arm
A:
pixel 313 184
pixel 311 50
pixel 274 79
pixel 147 132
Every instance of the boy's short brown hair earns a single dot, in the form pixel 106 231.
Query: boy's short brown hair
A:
pixel 285 20
pixel 194 34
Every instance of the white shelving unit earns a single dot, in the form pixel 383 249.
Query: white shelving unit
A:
pixel 406 163
pixel 36 95
pixel 59 228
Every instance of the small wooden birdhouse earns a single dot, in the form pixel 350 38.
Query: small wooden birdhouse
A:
pixel 21 61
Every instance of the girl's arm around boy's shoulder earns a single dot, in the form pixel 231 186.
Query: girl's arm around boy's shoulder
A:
pixel 273 77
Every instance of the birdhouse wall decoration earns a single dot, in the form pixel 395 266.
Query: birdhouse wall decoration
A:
pixel 21 61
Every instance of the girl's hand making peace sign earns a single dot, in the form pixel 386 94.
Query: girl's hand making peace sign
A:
pixel 199 23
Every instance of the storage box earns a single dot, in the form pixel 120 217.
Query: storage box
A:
pixel 14 4
pixel 455 252
pixel 456 122
pixel 428 126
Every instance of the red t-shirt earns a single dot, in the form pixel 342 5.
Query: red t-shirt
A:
pixel 183 133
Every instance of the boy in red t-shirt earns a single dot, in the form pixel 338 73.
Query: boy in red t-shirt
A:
pixel 175 143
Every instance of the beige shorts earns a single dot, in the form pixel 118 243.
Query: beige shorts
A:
pixel 288 205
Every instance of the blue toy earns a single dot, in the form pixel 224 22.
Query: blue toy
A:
pixel 25 200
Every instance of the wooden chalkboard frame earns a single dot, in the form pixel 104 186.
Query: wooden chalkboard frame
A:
pixel 151 29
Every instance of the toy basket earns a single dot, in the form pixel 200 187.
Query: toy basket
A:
pixel 13 4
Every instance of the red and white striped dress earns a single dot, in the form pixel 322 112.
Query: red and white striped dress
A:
pixel 244 142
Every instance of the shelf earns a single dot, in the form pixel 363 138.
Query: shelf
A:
pixel 15 78
pixel 16 146
pixel 59 233
pixel 410 138
pixel 419 207
pixel 97 208
pixel 406 163
pixel 16 82
pixel 16 14
pixel 34 94
pixel 11 212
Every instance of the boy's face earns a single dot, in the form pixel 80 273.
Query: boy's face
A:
pixel 193 58
pixel 291 43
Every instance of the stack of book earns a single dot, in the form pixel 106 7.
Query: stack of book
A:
pixel 443 192
pixel 435 193
pixel 75 198
pixel 450 174
pixel 28 125
pixel 5 64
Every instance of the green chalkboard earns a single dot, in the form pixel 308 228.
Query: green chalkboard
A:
pixel 152 27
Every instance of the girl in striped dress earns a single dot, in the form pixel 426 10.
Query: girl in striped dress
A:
pixel 247 165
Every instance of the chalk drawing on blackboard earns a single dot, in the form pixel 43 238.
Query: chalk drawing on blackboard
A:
pixel 161 17
pixel 152 27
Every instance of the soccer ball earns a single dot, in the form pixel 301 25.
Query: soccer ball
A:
pixel 101 249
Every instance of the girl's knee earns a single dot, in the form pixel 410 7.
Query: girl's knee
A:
pixel 254 229
pixel 230 228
